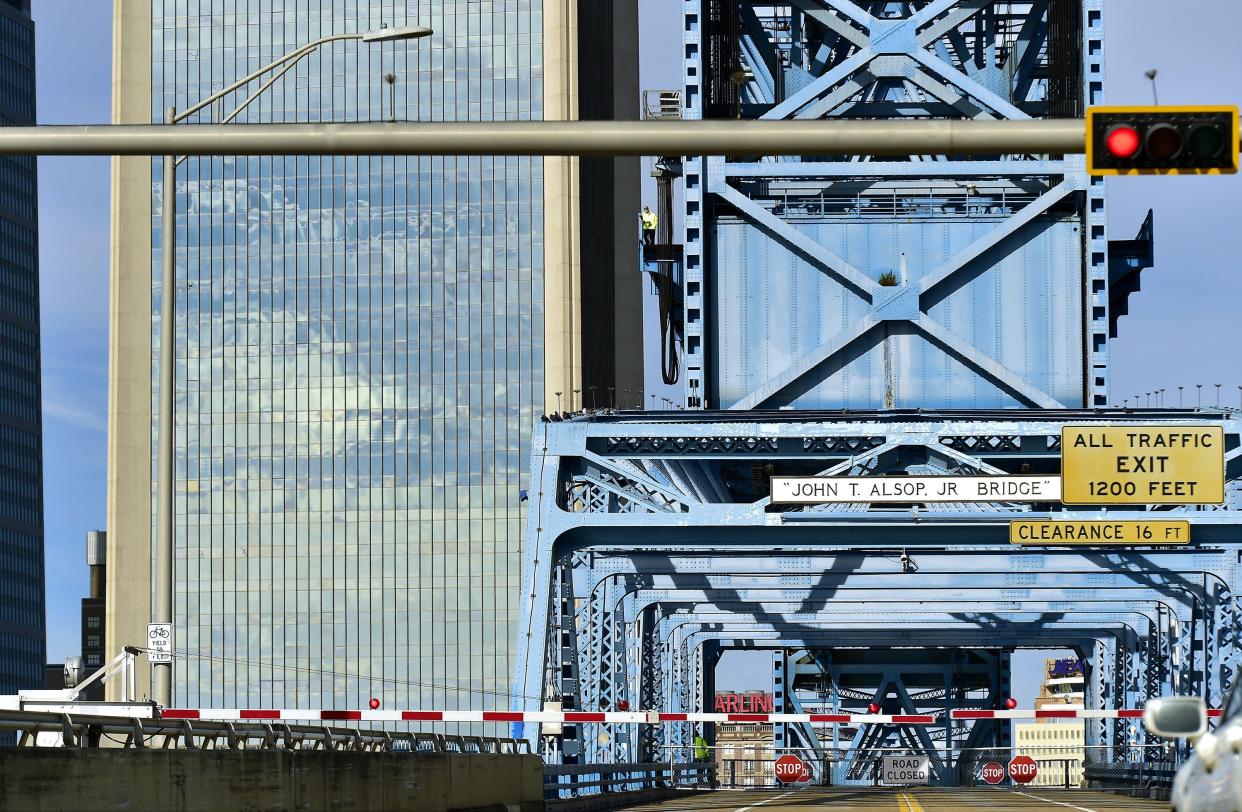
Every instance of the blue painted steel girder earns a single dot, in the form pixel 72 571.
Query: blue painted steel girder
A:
pixel 692 540
pixel 814 344
pixel 748 604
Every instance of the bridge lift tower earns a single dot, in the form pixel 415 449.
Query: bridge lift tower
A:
pixel 933 315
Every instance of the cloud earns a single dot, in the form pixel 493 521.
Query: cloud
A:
pixel 73 414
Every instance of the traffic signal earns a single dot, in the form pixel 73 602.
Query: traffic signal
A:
pixel 1162 140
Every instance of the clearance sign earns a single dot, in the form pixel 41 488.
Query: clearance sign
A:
pixel 1098 533
pixel 1143 465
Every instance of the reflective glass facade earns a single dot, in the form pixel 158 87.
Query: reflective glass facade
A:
pixel 359 360
pixel 22 629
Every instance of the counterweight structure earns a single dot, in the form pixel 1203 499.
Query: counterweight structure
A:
pixel 939 315
pixel 937 281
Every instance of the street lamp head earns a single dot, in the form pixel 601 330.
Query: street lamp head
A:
pixel 392 34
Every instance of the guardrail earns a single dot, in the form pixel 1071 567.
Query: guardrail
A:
pixel 1143 779
pixel 80 730
pixel 573 780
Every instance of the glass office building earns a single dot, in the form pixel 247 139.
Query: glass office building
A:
pixel 22 625
pixel 361 351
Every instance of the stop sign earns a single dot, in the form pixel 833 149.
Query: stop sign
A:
pixel 994 772
pixel 790 769
pixel 1022 769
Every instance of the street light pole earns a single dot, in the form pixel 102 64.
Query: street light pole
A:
pixel 165 450
pixel 165 425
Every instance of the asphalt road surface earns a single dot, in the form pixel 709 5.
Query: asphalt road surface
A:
pixel 845 799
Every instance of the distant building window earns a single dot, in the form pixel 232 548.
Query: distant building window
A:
pixel 92 622
pixel 92 641
pixel 94 659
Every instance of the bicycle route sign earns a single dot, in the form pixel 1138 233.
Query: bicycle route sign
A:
pixel 159 642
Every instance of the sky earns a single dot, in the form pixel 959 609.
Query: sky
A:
pixel 1182 328
pixel 73 42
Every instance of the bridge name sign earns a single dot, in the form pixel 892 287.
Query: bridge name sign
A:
pixel 1143 465
pixel 802 490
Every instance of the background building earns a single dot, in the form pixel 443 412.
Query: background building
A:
pixel 94 612
pixel 22 617
pixel 1064 685
pixel 743 753
pixel 1058 747
pixel 364 344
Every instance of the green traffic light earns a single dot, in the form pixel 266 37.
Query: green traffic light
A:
pixel 1205 141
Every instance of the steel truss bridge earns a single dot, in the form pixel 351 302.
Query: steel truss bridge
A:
pixel 927 315
pixel 655 548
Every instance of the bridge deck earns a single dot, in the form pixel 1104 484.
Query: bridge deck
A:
pixel 846 799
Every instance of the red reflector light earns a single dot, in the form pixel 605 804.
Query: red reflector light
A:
pixel 1123 142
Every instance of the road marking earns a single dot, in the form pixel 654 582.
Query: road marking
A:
pixel 767 801
pixel 914 805
pixel 1050 801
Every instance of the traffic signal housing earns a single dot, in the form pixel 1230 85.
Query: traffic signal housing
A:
pixel 1162 140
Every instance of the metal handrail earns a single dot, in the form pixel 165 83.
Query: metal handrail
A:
pixel 82 730
pixel 572 780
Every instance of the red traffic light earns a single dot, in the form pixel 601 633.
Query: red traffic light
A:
pixel 623 704
pixel 1123 141
pixel 1011 703
pixel 375 703
pixel 873 708
pixel 1163 140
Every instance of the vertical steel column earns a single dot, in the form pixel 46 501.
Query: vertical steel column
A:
pixel 780 733
pixel 1123 649
pixel 694 353
pixel 650 677
pixel 1092 60
pixel 1004 684
pixel 572 749
pixel 1218 614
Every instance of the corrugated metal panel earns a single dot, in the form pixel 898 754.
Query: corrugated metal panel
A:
pixel 772 308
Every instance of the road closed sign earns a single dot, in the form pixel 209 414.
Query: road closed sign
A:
pixel 1143 465
pixel 906 770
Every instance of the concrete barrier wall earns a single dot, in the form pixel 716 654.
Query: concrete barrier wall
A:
pixel 37 779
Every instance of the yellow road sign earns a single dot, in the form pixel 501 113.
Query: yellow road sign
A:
pixel 1143 465
pixel 1053 533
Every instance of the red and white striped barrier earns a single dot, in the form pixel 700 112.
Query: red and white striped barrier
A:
pixel 541 717
pixel 1058 713
pixel 630 717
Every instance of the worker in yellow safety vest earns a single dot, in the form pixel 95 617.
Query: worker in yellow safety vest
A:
pixel 650 222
